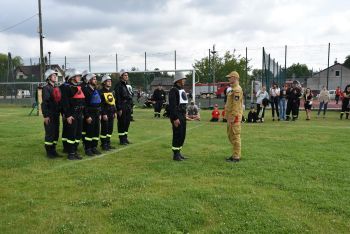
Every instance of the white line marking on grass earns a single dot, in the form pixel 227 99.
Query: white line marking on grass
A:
pixel 114 151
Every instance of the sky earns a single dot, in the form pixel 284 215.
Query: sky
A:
pixel 129 28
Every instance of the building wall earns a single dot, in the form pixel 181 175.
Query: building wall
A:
pixel 320 79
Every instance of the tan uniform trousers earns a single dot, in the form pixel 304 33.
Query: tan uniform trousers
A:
pixel 234 136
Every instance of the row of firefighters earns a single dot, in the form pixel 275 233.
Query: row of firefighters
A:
pixel 87 113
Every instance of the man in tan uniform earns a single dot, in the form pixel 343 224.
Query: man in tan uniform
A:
pixel 234 112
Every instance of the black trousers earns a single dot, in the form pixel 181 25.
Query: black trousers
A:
pixel 73 133
pixel 64 134
pixel 124 122
pixel 158 108
pixel 292 106
pixel 274 106
pixel 52 130
pixel 106 130
pixel 179 134
pixel 92 131
pixel 345 107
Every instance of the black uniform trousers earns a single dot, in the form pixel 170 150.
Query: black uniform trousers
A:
pixel 92 131
pixel 179 134
pixel 52 130
pixel 274 106
pixel 124 122
pixel 107 130
pixel 64 134
pixel 292 106
pixel 158 108
pixel 73 133
pixel 345 108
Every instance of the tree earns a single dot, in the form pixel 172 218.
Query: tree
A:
pixel 221 66
pixel 298 71
pixel 347 61
pixel 16 61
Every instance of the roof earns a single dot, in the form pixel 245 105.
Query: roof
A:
pixel 336 64
pixel 163 81
pixel 34 70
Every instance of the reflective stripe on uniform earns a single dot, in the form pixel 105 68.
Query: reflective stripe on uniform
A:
pixel 88 139
pixel 121 134
pixel 77 141
pixel 83 133
pixel 55 142
pixel 48 143
pixel 70 142
pixel 64 139
pixel 176 148
pixel 95 138
pixel 109 135
pixel 103 137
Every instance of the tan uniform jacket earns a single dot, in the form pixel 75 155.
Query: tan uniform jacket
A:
pixel 234 104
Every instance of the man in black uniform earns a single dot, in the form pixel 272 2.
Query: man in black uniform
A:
pixel 293 95
pixel 63 88
pixel 177 111
pixel 124 107
pixel 108 112
pixel 73 102
pixel 91 115
pixel 51 112
pixel 158 99
pixel 84 83
pixel 345 103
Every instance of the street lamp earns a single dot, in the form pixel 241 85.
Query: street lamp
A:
pixel 49 59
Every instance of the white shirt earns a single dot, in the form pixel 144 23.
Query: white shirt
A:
pixel 260 95
pixel 275 92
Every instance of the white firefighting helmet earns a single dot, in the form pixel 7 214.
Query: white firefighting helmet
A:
pixel 74 72
pixel 49 72
pixel 179 76
pixel 89 76
pixel 122 72
pixel 84 73
pixel 105 78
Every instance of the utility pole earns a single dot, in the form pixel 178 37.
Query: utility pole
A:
pixel 89 63
pixel 214 52
pixel 209 75
pixel 175 58
pixel 329 48
pixel 42 65
pixel 49 59
pixel 116 62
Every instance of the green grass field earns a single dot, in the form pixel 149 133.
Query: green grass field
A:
pixel 294 177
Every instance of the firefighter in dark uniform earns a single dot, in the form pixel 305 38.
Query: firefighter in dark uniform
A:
pixel 108 113
pixel 51 111
pixel 345 103
pixel 63 88
pixel 83 85
pixel 92 115
pixel 73 102
pixel 177 111
pixel 158 99
pixel 124 107
pixel 293 95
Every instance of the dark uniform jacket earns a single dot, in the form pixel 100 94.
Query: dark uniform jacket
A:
pixel 107 102
pixel 293 94
pixel 73 100
pixel 92 101
pixel 158 95
pixel 176 110
pixel 51 100
pixel 123 96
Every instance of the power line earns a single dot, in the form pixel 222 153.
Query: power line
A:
pixel 15 25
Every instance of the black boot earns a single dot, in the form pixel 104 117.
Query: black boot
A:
pixel 71 156
pixel 54 152
pixel 347 116
pixel 110 147
pixel 183 157
pixel 126 140
pixel 88 152
pixel 49 152
pixel 95 151
pixel 122 140
pixel 177 156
